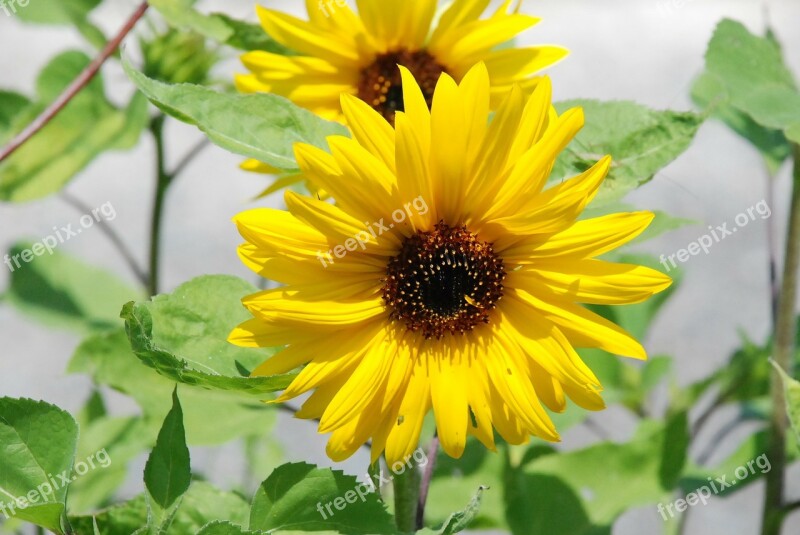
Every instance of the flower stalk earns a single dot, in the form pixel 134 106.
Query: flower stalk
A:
pixel 163 180
pixel 774 511
pixel 406 498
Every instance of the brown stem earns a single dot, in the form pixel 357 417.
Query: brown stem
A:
pixel 74 88
pixel 785 333
pixel 115 239
pixel 425 485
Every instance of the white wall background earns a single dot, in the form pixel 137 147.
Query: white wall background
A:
pixel 643 50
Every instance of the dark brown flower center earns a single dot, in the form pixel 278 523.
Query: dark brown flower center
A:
pixel 443 281
pixel 381 86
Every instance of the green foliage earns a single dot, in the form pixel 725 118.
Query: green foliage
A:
pixel 122 438
pixel 88 126
pixel 37 448
pixel 11 105
pixel 167 473
pixel 59 290
pixel 302 497
pixel 791 388
pixel 454 481
pixel 108 359
pixel 641 142
pixel 217 26
pixel 748 85
pixel 247 36
pixel 56 11
pixel 177 57
pixel 572 491
pixel 261 126
pixel 461 520
pixel 708 92
pixel 183 336
pixel 60 12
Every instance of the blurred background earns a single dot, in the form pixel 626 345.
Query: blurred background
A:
pixel 648 51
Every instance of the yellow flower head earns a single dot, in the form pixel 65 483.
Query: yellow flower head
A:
pixel 445 275
pixel 341 52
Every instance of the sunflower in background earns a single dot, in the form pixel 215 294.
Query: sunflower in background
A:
pixel 341 52
pixel 446 276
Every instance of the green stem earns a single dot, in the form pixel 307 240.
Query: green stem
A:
pixel 785 334
pixel 406 498
pixel 163 180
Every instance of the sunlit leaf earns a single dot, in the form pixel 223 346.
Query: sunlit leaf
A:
pixel 37 450
pixel 641 142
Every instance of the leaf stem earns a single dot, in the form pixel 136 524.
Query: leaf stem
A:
pixel 785 335
pixel 75 87
pixel 427 476
pixel 163 180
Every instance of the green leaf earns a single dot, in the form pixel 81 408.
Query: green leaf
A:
pixel 709 92
pixel 181 14
pixel 205 503
pixel 167 473
pixel 248 36
pixel 11 105
pixel 113 442
pixel 59 290
pixel 261 126
pixel 775 107
pixel 202 504
pixel 674 449
pixel 744 61
pixel 460 520
pixel 640 140
pixel 791 388
pixel 37 450
pixel 120 519
pixel 86 127
pixel 749 454
pixel 753 74
pixel 184 336
pixel 585 491
pixel 454 481
pixel 654 370
pixel 225 528
pixel 302 497
pixel 55 11
pixel 108 359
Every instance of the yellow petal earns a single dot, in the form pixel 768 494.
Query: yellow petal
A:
pixel 594 281
pixel 370 129
pixel 306 38
pixel 585 239
pixel 582 327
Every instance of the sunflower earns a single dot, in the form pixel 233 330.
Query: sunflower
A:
pixel 340 52
pixel 446 276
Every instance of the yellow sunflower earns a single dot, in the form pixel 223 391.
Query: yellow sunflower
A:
pixel 341 52
pixel 445 276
